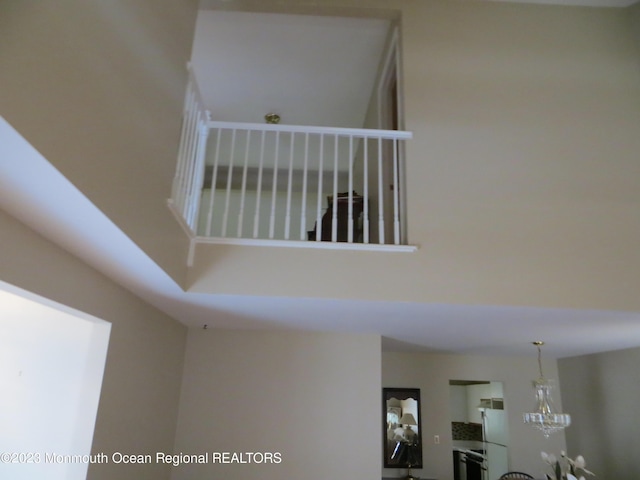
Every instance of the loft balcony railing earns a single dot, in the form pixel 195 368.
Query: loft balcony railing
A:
pixel 303 185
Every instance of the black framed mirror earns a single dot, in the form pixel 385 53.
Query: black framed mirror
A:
pixel 402 430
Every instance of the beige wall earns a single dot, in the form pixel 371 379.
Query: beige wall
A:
pixel 601 392
pixel 312 397
pixel 432 372
pixel 522 173
pixel 140 392
pixel 522 189
pixel 97 88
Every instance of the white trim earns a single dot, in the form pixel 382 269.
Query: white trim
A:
pixel 192 252
pixel 185 227
pixel 176 213
pixel 357 132
pixel 305 244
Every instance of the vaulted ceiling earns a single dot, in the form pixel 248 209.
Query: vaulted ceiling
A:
pixel 248 71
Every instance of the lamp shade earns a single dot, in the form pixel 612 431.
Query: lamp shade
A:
pixel 408 419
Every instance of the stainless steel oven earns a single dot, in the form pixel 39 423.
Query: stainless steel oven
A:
pixel 469 464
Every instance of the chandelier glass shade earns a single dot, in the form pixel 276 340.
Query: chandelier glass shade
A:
pixel 545 417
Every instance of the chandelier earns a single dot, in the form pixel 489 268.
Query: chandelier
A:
pixel 544 417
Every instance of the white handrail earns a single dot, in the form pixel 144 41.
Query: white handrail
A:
pixel 347 132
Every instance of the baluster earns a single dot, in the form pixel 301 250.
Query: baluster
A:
pixel 365 218
pixel 193 171
pixel 185 155
pixel 244 184
pixel 380 195
pixel 214 177
pixel 196 189
pixel 216 218
pixel 256 218
pixel 191 157
pixel 225 217
pixel 334 213
pixel 274 191
pixel 350 209
pixel 396 193
pixel 320 194
pixel 303 214
pixel 180 167
pixel 287 221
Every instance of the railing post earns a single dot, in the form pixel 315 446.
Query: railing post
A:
pixel 244 184
pixel 334 209
pixel 214 180
pixel 196 187
pixel 365 168
pixel 274 188
pixel 256 218
pixel 320 194
pixel 287 221
pixel 303 212
pixel 396 193
pixel 380 195
pixel 350 209
pixel 225 217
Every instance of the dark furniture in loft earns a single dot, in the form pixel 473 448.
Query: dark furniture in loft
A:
pixel 342 219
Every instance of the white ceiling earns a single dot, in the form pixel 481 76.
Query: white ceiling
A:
pixel 310 70
pixel 35 193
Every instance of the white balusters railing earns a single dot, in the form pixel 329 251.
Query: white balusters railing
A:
pixel 288 182
pixel 279 182
pixel 187 182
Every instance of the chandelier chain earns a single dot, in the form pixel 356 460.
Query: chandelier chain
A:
pixel 540 361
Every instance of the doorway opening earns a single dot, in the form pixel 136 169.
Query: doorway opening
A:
pixel 479 430
pixel 52 360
